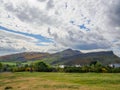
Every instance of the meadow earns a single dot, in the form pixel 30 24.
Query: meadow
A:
pixel 59 81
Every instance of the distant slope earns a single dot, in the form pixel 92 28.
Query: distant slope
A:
pixel 68 57
pixel 85 58
pixel 22 57
pixel 67 53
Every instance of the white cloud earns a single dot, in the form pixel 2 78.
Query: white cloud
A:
pixel 77 24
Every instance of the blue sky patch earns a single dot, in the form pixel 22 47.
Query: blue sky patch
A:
pixel 37 36
pixel 84 27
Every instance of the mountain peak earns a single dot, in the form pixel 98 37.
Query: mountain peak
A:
pixel 69 49
pixel 69 52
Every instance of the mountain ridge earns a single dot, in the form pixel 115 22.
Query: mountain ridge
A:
pixel 67 57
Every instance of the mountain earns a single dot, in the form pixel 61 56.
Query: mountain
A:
pixel 86 58
pixel 23 57
pixel 67 57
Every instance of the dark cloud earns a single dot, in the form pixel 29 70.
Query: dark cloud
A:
pixel 114 14
pixel 90 46
pixel 50 4
pixel 8 50
pixel 49 31
pixel 81 41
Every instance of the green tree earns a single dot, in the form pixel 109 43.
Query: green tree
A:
pixel 41 67
pixel 1 65
pixel 96 66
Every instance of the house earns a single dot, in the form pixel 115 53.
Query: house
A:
pixel 115 65
pixel 61 66
pixel 77 65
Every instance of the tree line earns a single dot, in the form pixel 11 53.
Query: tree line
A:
pixel 43 67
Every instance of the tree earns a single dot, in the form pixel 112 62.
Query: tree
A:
pixel 1 66
pixel 41 67
pixel 95 63
pixel 95 66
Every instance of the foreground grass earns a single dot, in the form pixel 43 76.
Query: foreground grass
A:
pixel 60 81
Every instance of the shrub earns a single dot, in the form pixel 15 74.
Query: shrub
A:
pixel 103 70
pixel 8 88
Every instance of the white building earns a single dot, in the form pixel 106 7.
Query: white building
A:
pixel 77 65
pixel 61 66
pixel 115 65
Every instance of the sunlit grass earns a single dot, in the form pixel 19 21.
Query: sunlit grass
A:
pixel 60 81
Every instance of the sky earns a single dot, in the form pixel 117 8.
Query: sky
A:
pixel 55 25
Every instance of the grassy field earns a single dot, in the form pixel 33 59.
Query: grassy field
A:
pixel 59 81
pixel 14 63
pixel 9 63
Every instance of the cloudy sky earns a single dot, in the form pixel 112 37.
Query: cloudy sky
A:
pixel 55 25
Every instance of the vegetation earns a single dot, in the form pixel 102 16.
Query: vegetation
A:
pixel 35 76
pixel 1 66
pixel 59 81
pixel 43 67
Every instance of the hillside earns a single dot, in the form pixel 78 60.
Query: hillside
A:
pixel 23 57
pixel 67 57
pixel 85 58
pixel 105 57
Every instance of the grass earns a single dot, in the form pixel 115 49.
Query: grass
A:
pixel 9 63
pixel 14 63
pixel 60 81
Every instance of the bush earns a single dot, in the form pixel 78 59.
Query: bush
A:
pixel 8 88
pixel 18 69
pixel 72 69
pixel 103 70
